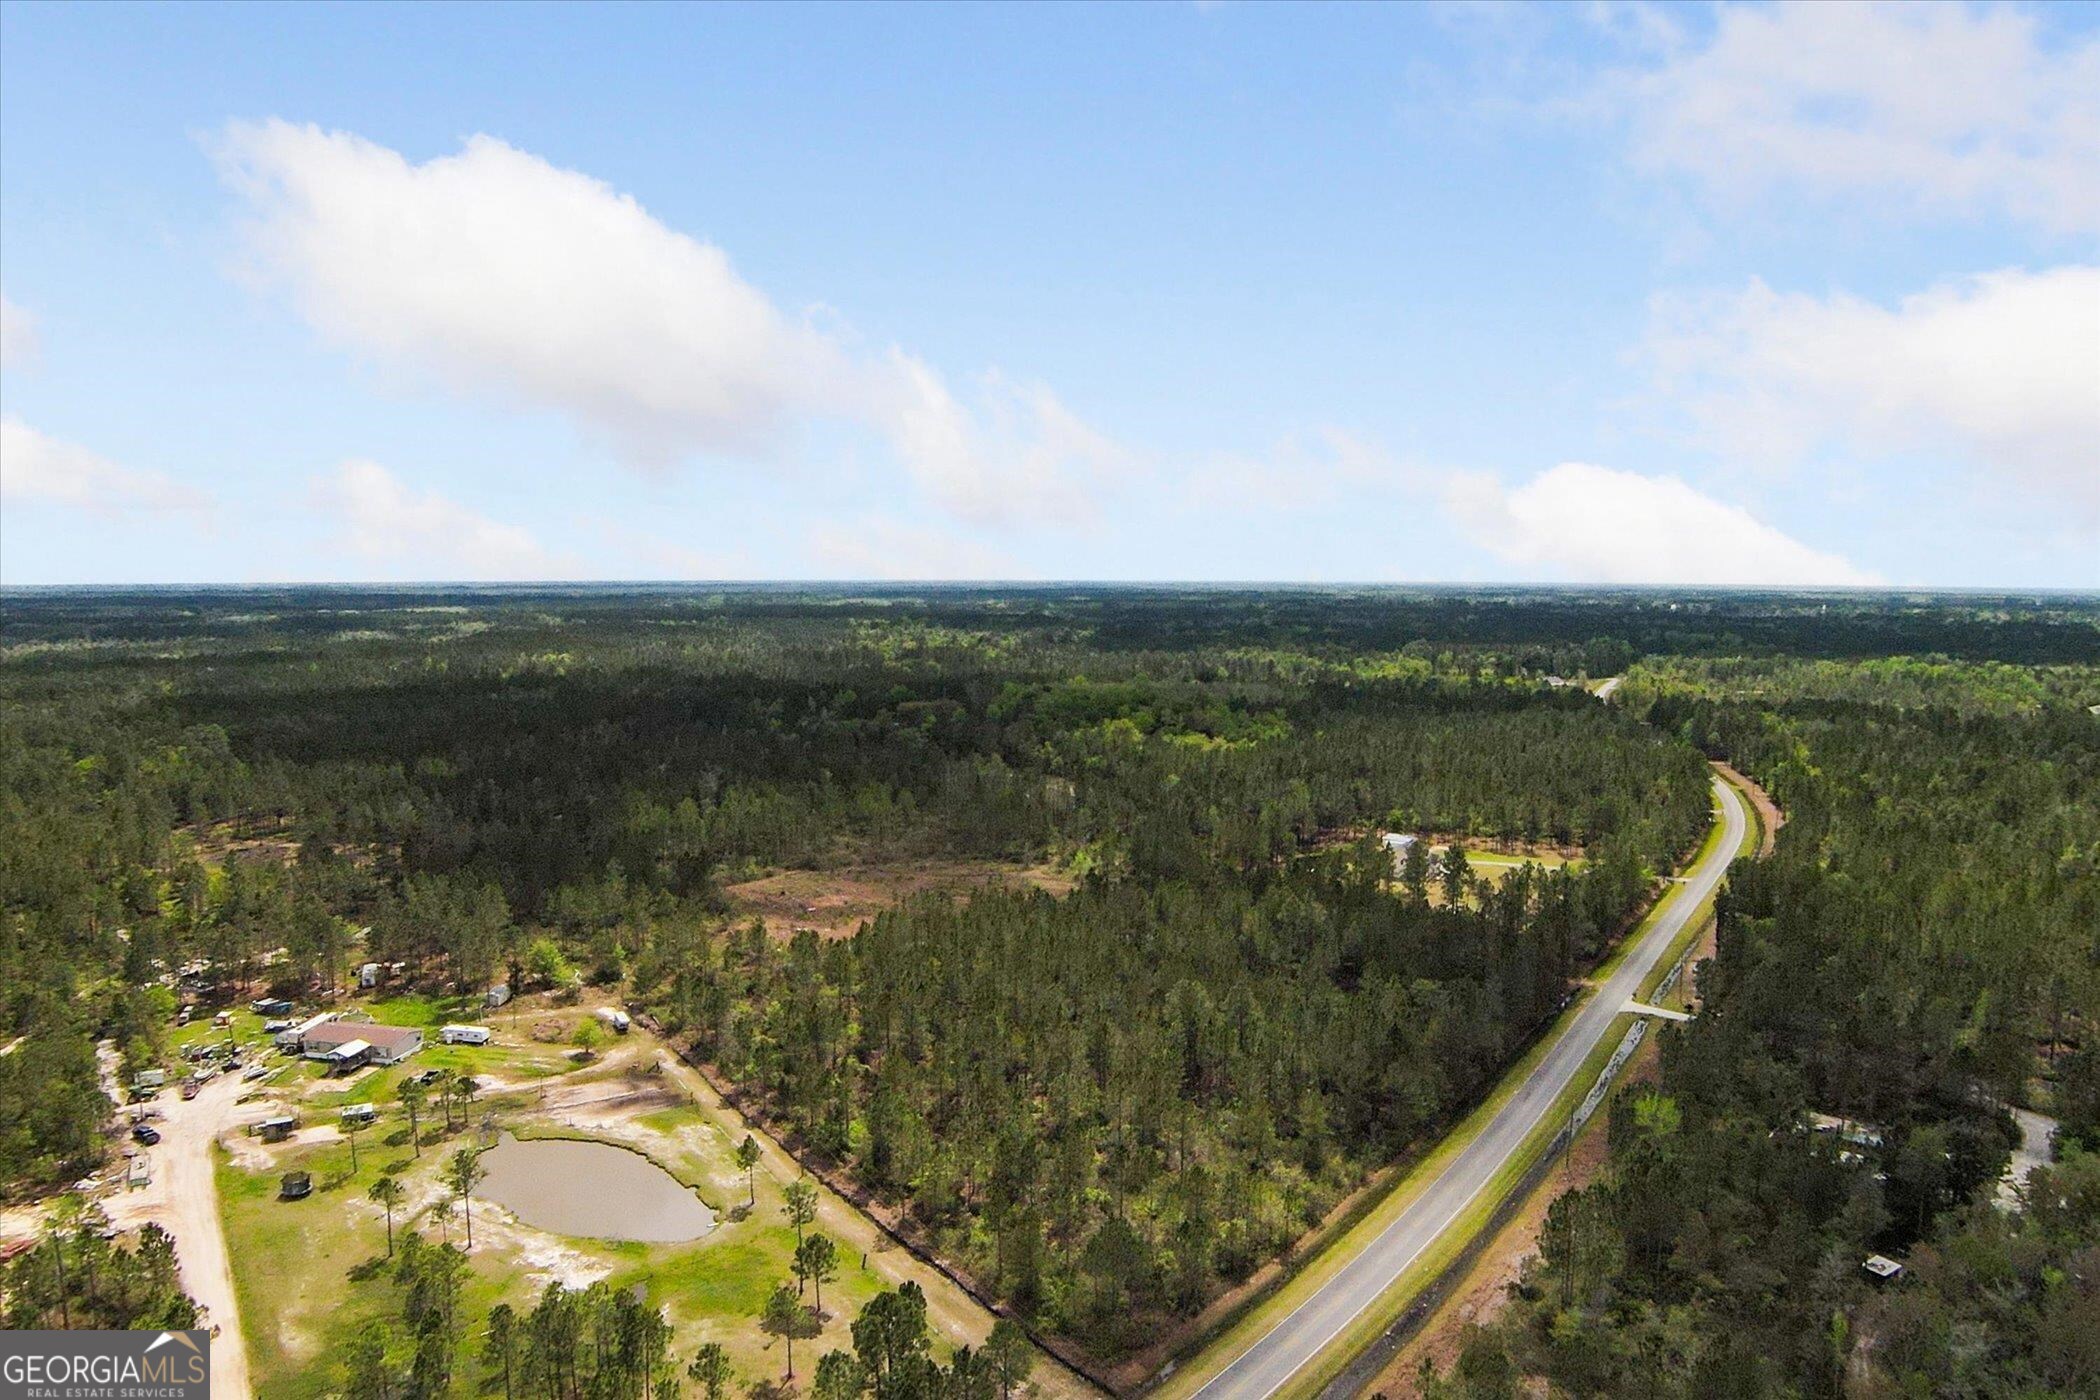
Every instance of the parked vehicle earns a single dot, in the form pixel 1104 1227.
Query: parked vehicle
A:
pixel 145 1135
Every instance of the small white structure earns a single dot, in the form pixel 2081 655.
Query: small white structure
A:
pixel 464 1035
pixel 498 994
pixel 295 1037
pixel 368 976
pixel 348 1055
pixel 615 1019
pixel 1881 1267
pixel 359 1113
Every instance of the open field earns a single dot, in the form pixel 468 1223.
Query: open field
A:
pixel 310 1273
pixel 836 902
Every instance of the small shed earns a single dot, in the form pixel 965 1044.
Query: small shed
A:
pixel 277 1127
pixel 498 995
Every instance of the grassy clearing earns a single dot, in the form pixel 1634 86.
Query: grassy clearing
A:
pixel 310 1273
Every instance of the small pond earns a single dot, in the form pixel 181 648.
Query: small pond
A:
pixel 593 1189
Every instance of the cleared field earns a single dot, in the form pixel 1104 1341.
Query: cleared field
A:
pixel 836 902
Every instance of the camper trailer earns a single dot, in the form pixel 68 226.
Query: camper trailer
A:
pixel 464 1035
pixel 615 1020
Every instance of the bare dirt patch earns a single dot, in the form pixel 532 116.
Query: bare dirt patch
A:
pixel 1769 817
pixel 836 903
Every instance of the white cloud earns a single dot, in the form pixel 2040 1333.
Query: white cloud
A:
pixel 425 536
pixel 1302 472
pixel 35 467
pixel 2002 369
pixel 19 342
pixel 1592 524
pixel 881 547
pixel 1941 108
pixel 500 275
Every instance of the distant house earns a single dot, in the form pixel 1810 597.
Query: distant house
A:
pixel 380 1045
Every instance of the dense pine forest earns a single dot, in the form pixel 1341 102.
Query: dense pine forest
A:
pixel 1110 1102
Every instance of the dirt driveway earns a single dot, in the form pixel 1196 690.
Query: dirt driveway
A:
pixel 184 1201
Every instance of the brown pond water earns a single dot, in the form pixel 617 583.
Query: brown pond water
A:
pixel 592 1189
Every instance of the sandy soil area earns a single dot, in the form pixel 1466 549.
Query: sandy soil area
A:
pixel 837 902
pixel 1769 817
pixel 183 1199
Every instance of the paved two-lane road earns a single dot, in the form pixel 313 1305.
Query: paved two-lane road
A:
pixel 1296 1342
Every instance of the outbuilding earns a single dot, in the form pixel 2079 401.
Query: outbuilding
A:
pixel 295 1037
pixel 277 1127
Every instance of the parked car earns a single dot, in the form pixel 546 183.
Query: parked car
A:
pixel 145 1135
pixel 189 1088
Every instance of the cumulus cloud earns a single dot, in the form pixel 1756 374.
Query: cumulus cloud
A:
pixel 2002 369
pixel 423 535
pixel 19 342
pixel 500 275
pixel 1940 108
pixel 35 467
pixel 1592 524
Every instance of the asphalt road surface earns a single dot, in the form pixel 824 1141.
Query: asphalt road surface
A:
pixel 1294 1343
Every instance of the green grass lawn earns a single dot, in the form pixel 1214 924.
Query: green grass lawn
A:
pixel 307 1281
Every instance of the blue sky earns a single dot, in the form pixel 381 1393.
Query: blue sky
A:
pixel 1617 293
